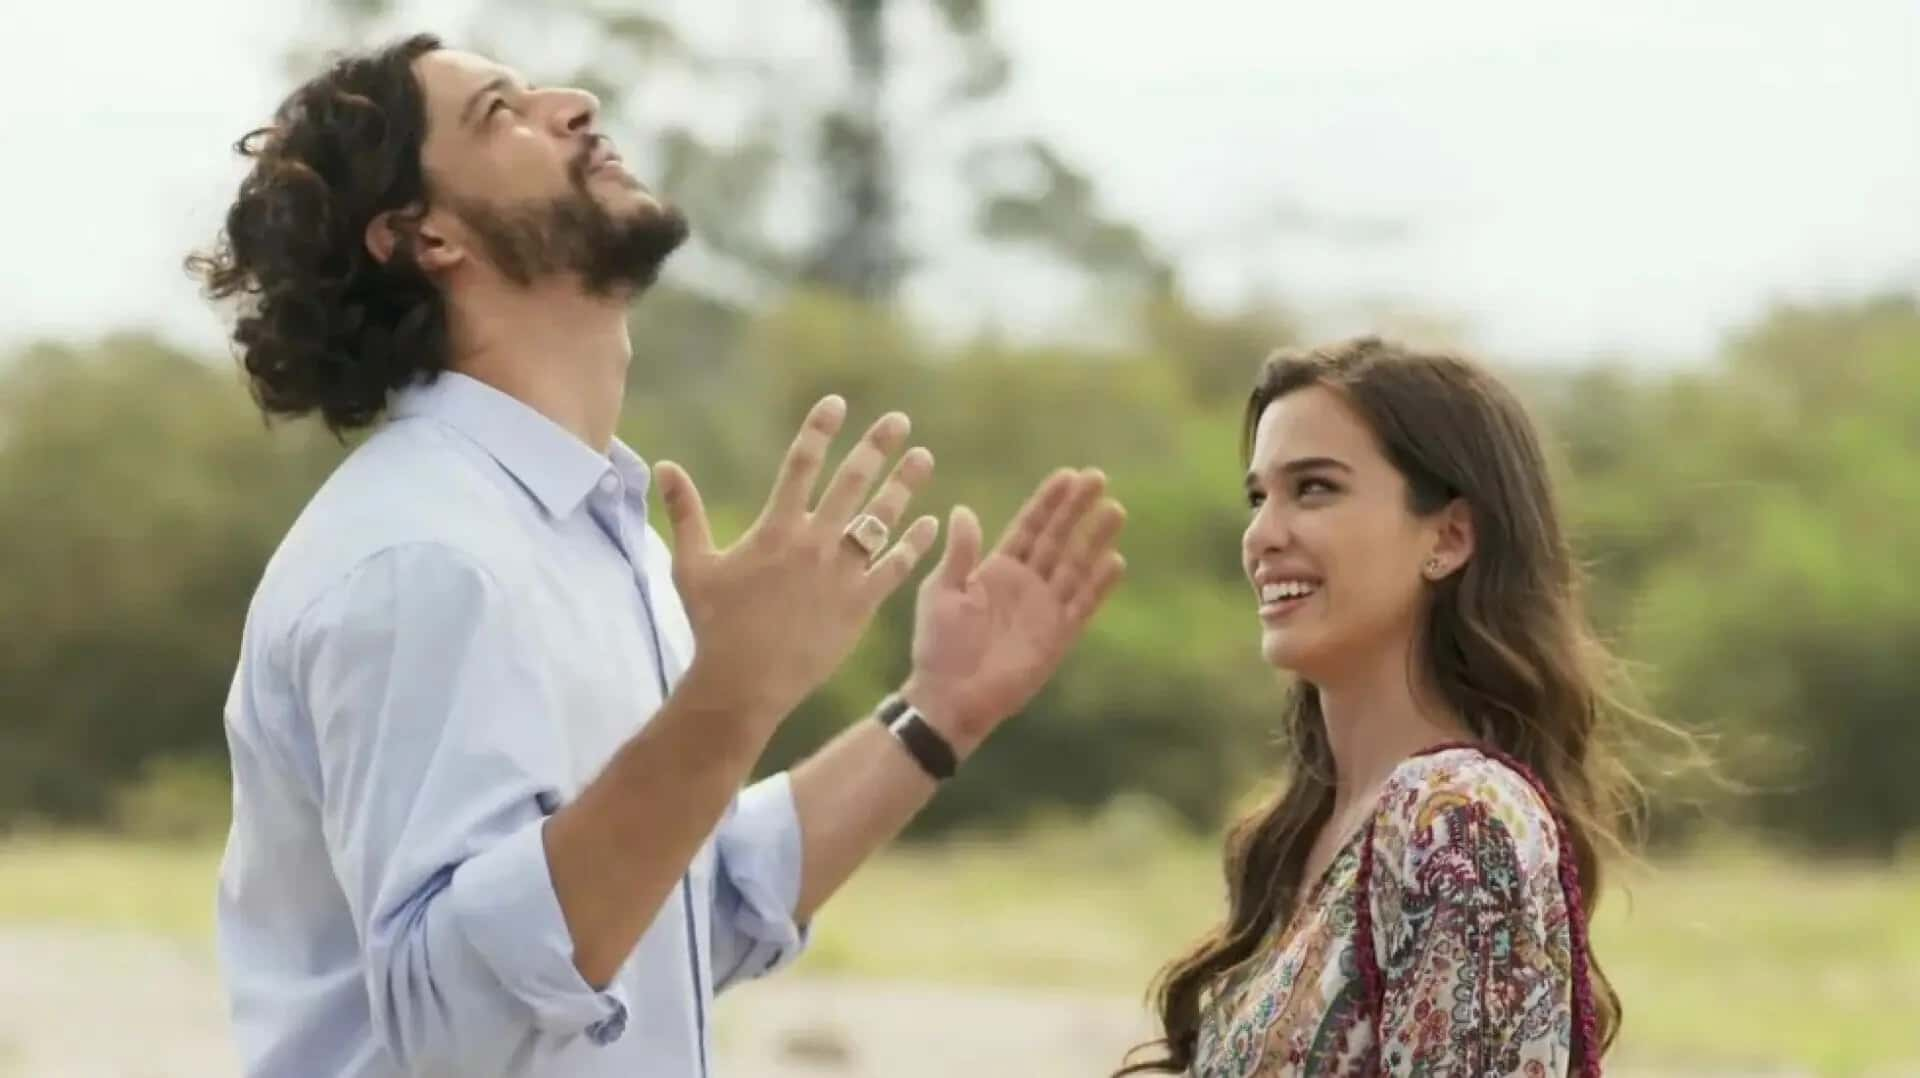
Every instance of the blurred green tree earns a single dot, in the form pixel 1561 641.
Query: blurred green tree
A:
pixel 1750 527
pixel 1747 524
pixel 141 499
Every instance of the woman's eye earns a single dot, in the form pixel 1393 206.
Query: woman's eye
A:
pixel 1312 485
pixel 1255 499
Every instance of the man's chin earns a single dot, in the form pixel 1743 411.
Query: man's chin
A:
pixel 648 231
pixel 628 201
pixel 663 219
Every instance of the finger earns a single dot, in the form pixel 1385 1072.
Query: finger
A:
pixel 897 563
pixel 909 478
pixel 1031 521
pixel 963 548
pixel 685 511
pixel 855 476
pixel 793 488
pixel 1096 587
pixel 1098 538
pixel 1052 543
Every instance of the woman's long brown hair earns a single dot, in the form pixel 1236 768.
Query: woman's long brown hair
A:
pixel 1506 641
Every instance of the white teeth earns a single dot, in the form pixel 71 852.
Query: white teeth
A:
pixel 1284 589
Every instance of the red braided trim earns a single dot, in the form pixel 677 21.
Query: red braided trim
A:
pixel 1585 1016
pixel 1371 980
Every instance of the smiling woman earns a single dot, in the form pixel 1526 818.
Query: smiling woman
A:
pixel 1453 777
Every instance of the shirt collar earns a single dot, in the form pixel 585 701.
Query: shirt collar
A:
pixel 634 473
pixel 556 467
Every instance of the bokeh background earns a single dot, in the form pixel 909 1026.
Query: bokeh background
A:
pixel 1056 232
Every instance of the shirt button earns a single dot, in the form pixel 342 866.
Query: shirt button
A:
pixel 609 484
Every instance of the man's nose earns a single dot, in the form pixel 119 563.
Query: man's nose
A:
pixel 575 111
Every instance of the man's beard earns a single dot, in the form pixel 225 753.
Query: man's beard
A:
pixel 575 234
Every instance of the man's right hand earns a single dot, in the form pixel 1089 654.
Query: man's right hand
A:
pixel 777 612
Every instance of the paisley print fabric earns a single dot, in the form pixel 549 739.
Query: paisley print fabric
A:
pixel 1469 928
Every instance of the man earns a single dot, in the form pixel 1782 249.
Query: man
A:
pixel 488 739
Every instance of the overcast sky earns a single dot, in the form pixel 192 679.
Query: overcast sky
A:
pixel 1567 180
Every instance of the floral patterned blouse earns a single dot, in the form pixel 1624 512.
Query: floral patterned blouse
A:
pixel 1470 932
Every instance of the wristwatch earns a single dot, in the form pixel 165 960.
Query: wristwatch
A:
pixel 922 741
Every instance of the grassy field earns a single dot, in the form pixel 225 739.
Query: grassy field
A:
pixel 1726 962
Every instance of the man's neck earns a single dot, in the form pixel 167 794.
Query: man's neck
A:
pixel 560 352
pixel 1377 715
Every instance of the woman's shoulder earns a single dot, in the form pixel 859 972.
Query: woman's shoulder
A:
pixel 1465 800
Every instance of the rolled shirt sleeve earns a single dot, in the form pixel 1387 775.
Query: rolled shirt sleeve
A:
pixel 757 886
pixel 439 765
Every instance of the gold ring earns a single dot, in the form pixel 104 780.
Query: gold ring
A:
pixel 869 533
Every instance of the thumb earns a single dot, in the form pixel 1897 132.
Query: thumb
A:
pixel 963 548
pixel 685 511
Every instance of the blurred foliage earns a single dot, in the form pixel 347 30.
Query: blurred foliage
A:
pixel 1751 526
pixel 1747 524
pixel 141 498
pixel 798 147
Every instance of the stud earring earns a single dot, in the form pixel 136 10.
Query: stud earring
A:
pixel 1434 568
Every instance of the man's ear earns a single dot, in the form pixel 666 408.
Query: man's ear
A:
pixel 382 236
pixel 409 231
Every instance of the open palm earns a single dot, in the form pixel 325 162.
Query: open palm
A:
pixel 988 633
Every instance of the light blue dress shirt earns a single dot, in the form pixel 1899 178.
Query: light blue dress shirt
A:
pixel 467 620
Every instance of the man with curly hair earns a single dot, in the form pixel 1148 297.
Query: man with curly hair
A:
pixel 489 738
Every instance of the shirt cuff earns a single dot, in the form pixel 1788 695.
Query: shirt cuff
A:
pixel 505 906
pixel 761 856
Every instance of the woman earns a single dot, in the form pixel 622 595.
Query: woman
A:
pixel 1414 902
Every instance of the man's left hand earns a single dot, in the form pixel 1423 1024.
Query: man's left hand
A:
pixel 988 633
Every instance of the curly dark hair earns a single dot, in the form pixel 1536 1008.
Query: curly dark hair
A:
pixel 323 325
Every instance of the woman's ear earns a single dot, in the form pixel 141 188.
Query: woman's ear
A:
pixel 1453 540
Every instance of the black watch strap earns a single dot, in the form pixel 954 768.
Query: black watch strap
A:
pixel 922 741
